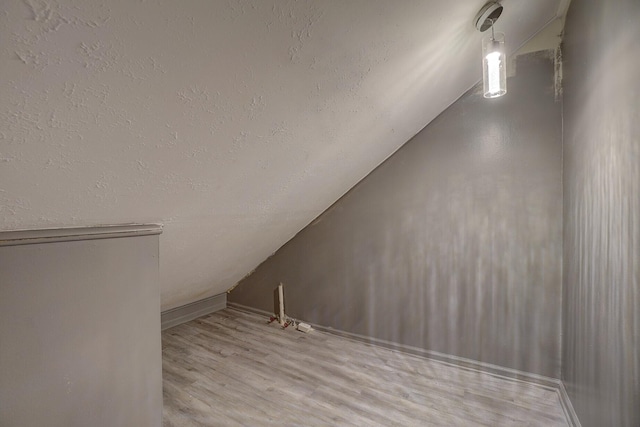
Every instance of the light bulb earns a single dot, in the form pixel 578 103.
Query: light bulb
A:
pixel 493 71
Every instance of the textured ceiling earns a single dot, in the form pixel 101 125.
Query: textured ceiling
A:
pixel 233 123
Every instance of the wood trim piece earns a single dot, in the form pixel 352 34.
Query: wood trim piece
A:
pixel 52 235
pixel 187 312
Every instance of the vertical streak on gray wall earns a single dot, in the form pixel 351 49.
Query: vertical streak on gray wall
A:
pixel 80 333
pixel 601 339
pixel 452 245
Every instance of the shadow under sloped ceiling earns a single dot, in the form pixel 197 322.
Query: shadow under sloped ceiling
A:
pixel 233 123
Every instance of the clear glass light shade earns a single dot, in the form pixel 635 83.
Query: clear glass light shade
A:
pixel 494 66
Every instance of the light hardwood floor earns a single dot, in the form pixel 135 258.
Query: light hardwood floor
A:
pixel 232 369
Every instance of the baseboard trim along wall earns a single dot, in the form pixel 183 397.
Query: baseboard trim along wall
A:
pixel 567 406
pixel 461 362
pixel 187 312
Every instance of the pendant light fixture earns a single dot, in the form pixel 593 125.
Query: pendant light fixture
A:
pixel 494 60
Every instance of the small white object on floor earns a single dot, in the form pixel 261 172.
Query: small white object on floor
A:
pixel 304 327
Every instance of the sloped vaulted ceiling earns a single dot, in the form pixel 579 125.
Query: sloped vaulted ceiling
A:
pixel 234 123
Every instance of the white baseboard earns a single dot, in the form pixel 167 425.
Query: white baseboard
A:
pixel 548 383
pixel 187 312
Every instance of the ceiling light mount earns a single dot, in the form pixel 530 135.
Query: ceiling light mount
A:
pixel 487 16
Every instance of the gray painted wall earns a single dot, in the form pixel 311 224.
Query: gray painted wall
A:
pixel 601 339
pixel 452 245
pixel 80 333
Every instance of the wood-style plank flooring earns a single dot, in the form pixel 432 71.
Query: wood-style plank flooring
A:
pixel 232 369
